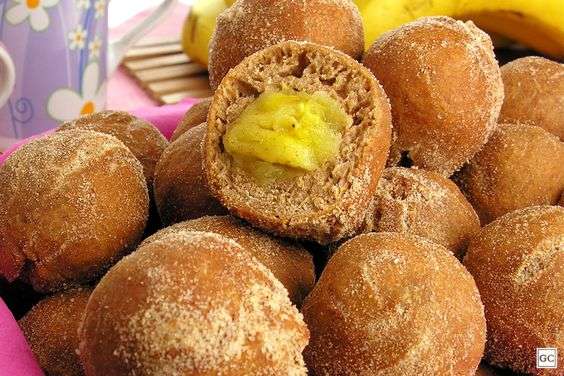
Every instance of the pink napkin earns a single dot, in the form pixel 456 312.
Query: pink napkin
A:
pixel 16 359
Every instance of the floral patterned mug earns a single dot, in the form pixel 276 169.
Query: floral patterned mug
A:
pixel 62 58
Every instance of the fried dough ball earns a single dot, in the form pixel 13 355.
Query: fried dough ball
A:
pixel 423 203
pixel 249 26
pixel 291 264
pixel 71 204
pixel 297 137
pixel 51 329
pixel 141 137
pixel 196 115
pixel 180 191
pixel 520 166
pixel 445 88
pixel 394 304
pixel 518 265
pixel 191 303
pixel 534 94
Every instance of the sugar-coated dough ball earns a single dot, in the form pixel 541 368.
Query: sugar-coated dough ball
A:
pixel 290 263
pixel 191 303
pixel 196 115
pixel 71 204
pixel 180 191
pixel 249 26
pixel 393 304
pixel 520 166
pixel 51 329
pixel 534 94
pixel 518 264
pixel 423 203
pixel 445 88
pixel 326 200
pixel 141 137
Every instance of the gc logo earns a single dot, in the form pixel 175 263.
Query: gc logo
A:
pixel 547 357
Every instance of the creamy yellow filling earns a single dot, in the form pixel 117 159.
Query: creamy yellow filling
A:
pixel 284 133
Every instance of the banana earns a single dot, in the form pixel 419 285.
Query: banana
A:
pixel 198 28
pixel 538 24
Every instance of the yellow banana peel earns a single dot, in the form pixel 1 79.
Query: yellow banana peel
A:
pixel 538 24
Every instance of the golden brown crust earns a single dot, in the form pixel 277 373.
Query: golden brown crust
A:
pixel 196 115
pixel 71 204
pixel 520 166
pixel 249 26
pixel 141 137
pixel 180 191
pixel 534 94
pixel 324 205
pixel 393 304
pixel 518 264
pixel 291 264
pixel 445 87
pixel 196 304
pixel 423 203
pixel 51 330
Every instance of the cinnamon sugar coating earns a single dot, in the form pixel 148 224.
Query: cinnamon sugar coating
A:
pixel 196 304
pixel 423 203
pixel 249 26
pixel 141 137
pixel 51 329
pixel 518 264
pixel 290 263
pixel 71 204
pixel 180 190
pixel 445 87
pixel 393 304
pixel 534 94
pixel 520 166
pixel 196 115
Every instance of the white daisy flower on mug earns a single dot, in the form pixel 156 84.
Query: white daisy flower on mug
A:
pixel 77 38
pixel 33 11
pixel 94 47
pixel 100 7
pixel 82 4
pixel 66 104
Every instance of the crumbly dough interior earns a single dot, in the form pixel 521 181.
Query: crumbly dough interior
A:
pixel 284 133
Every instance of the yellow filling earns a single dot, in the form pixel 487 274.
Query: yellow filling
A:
pixel 285 133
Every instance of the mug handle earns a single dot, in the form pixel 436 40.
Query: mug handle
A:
pixel 7 75
pixel 118 48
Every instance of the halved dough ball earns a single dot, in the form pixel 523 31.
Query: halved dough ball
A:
pixel 297 137
pixel 518 264
pixel 141 137
pixel 196 115
pixel 71 204
pixel 423 203
pixel 445 87
pixel 191 304
pixel 249 26
pixel 180 191
pixel 392 304
pixel 291 264
pixel 51 329
pixel 520 166
pixel 534 94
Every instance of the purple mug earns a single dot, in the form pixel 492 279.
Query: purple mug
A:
pixel 62 58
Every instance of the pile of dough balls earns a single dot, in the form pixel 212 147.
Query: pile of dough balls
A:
pixel 137 263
